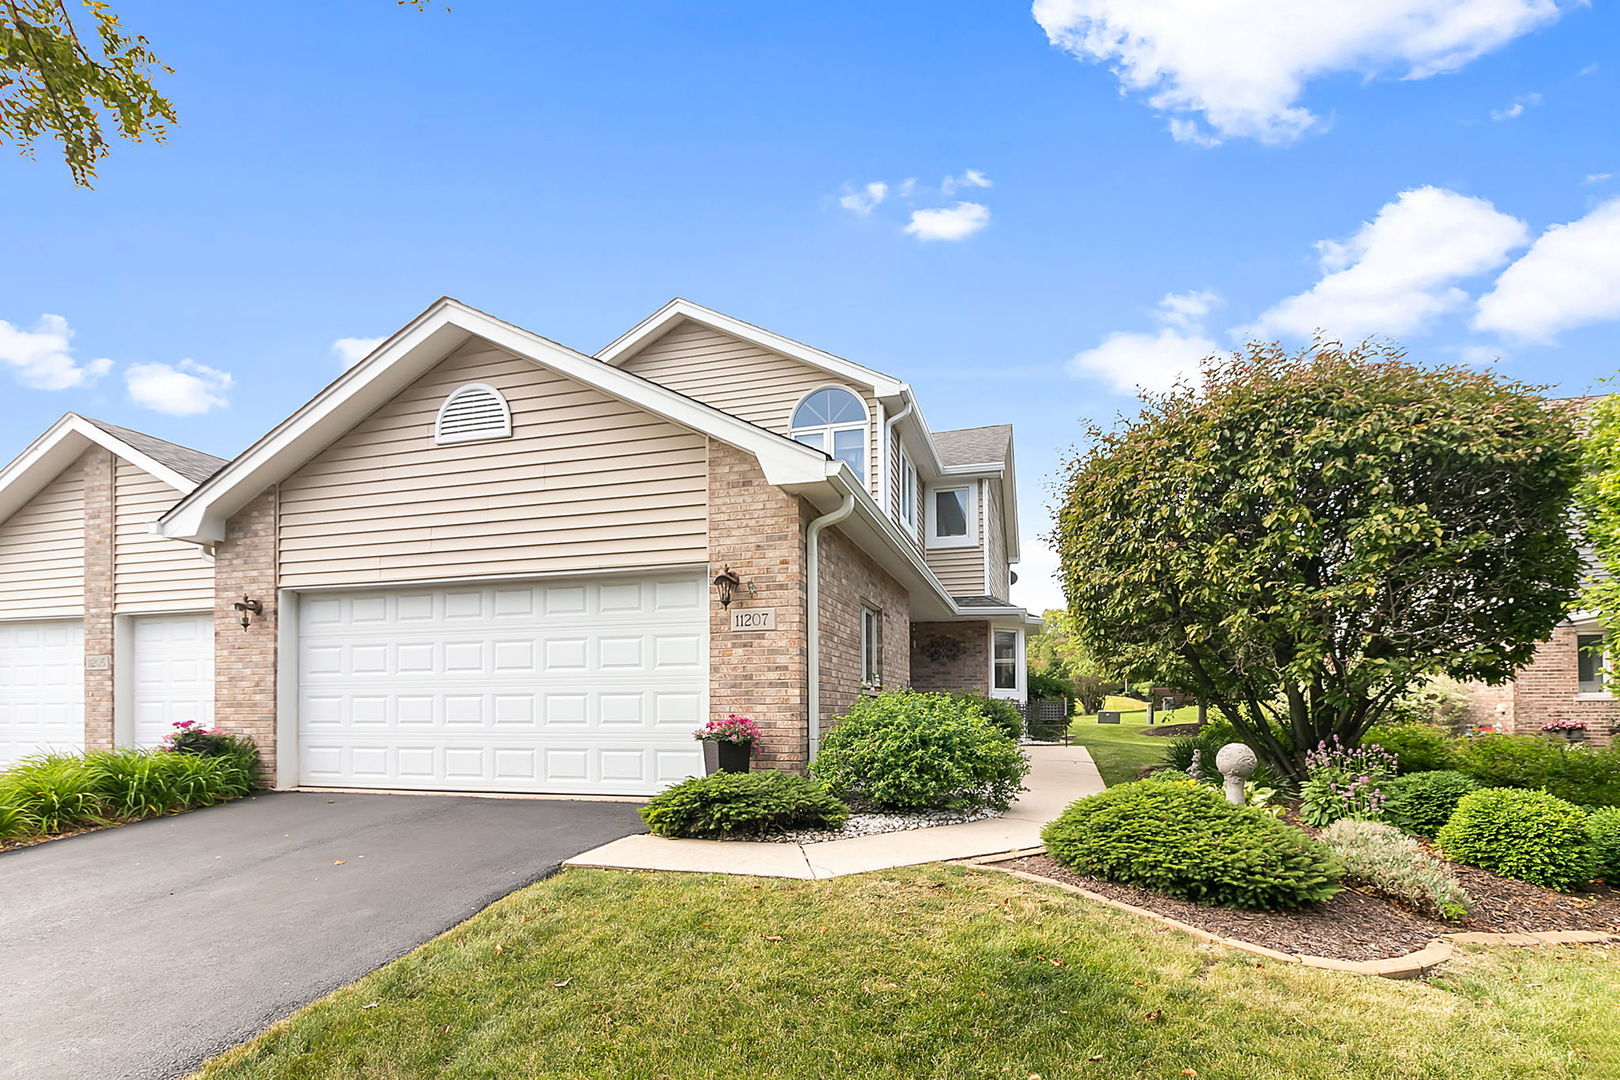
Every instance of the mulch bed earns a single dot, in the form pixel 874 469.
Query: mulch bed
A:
pixel 1171 730
pixel 1360 926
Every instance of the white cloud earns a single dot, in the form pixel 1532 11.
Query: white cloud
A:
pixel 1158 360
pixel 1400 269
pixel 950 223
pixel 1242 65
pixel 184 389
pixel 1597 177
pixel 970 178
pixel 1516 110
pixel 863 200
pixel 42 358
pixel 351 350
pixel 1570 277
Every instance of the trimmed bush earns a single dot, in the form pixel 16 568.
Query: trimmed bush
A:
pixel 1580 774
pixel 1183 839
pixel 1528 835
pixel 1603 828
pixel 725 805
pixel 1003 714
pixel 1417 747
pixel 1384 859
pixel 904 750
pixel 1421 802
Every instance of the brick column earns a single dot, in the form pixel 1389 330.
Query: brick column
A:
pixel 245 660
pixel 99 470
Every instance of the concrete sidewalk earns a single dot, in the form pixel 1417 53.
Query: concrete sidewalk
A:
pixel 1057 776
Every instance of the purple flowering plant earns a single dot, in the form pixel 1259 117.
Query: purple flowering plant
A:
pixel 1344 782
pixel 733 729
pixel 1564 725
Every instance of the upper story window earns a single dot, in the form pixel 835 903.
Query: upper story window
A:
pixel 908 492
pixel 473 413
pixel 833 421
pixel 953 516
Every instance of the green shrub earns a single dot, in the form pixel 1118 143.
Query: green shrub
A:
pixel 1440 701
pixel 1528 835
pixel 1185 840
pixel 1382 858
pixel 905 750
pixel 1417 747
pixel 1047 686
pixel 1604 829
pixel 743 804
pixel 1421 802
pixel 1002 713
pixel 1580 774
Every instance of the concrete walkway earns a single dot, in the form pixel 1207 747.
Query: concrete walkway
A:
pixel 1057 776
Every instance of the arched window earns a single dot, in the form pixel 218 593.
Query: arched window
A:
pixel 833 421
pixel 473 413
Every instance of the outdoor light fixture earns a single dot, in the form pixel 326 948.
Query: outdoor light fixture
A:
pixel 726 582
pixel 248 608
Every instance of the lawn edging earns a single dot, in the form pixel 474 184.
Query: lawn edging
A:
pixel 1410 966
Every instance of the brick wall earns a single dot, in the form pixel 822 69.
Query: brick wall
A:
pixel 1545 690
pixel 758 530
pixel 1489 705
pixel 245 660
pixel 951 656
pixel 849 581
pixel 99 466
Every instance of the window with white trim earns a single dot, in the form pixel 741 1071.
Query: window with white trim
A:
pixel 908 492
pixel 953 516
pixel 833 420
pixel 473 413
pixel 871 641
pixel 1589 663
pixel 1004 661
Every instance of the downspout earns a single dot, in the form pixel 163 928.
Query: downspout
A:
pixel 888 449
pixel 812 613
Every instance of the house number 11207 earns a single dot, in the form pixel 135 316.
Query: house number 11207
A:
pixel 754 619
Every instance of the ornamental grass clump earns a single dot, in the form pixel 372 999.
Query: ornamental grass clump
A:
pixel 1382 858
pixel 1184 839
pixel 728 805
pixel 1529 835
pixel 1344 782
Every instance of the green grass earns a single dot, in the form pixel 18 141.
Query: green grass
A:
pixel 922 973
pixel 1121 750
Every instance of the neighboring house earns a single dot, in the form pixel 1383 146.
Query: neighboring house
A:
pixel 483 561
pixel 106 630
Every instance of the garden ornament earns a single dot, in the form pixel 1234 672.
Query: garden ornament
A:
pixel 1236 763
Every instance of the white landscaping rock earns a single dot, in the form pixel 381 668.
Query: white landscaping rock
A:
pixel 877 823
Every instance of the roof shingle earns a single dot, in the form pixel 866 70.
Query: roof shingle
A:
pixel 194 465
pixel 974 445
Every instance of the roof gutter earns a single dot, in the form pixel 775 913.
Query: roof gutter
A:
pixel 812 613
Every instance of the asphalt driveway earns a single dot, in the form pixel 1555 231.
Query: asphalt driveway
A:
pixel 137 952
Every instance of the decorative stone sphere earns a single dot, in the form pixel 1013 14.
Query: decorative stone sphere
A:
pixel 1236 763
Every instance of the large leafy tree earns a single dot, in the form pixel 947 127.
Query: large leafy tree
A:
pixel 1304 536
pixel 1599 500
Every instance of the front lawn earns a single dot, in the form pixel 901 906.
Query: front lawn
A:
pixel 1121 750
pixel 917 973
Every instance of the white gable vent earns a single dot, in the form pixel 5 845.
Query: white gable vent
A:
pixel 473 413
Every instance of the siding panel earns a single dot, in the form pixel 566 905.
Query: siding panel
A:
pixel 42 552
pixel 151 573
pixel 1000 587
pixel 586 482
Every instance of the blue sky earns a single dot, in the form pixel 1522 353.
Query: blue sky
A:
pixel 1163 175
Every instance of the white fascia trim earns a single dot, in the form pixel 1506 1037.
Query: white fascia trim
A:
pixel 626 344
pixel 59 447
pixel 423 342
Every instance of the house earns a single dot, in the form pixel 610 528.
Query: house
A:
pixel 83 579
pixel 482 561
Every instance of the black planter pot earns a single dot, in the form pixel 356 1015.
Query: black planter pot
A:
pixel 733 756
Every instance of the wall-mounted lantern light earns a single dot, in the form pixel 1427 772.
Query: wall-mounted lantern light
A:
pixel 248 608
pixel 725 583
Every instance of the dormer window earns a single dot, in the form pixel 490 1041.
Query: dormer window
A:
pixel 833 420
pixel 473 413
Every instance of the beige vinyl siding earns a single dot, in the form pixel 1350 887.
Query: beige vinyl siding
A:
pixel 744 380
pixel 42 552
pixel 914 535
pixel 961 569
pixel 586 482
pixel 151 573
pixel 996 537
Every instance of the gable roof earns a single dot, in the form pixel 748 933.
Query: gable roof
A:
pixel 413 350
pixel 974 446
pixel 64 441
pixel 678 310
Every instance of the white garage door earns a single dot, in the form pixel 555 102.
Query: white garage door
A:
pixel 588 685
pixel 173 674
pixel 41 688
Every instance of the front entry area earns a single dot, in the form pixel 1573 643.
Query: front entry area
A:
pixel 41 688
pixel 589 685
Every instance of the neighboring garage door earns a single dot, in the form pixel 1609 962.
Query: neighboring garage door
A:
pixel 41 688
pixel 587 685
pixel 174 674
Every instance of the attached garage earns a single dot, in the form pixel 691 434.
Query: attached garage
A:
pixel 589 685
pixel 41 688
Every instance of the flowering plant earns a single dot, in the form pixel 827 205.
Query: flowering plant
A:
pixel 190 737
pixel 733 729
pixel 1564 725
pixel 1344 782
